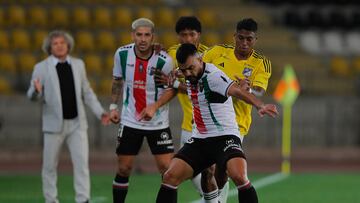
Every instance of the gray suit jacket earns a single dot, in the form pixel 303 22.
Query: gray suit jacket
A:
pixel 52 116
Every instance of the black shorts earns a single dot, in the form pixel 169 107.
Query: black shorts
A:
pixel 202 153
pixel 129 141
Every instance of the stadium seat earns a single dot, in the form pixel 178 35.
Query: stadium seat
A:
pixel 106 42
pixel 2 18
pixel 310 41
pixel 4 40
pixel 38 16
pixel 93 64
pixel 16 16
pixel 315 19
pixel 207 17
pixel 7 63
pixel 102 18
pixel 81 17
pixel 211 38
pixel 38 38
pixel 352 42
pixel 108 64
pixel 93 84
pixel 26 62
pixel 337 19
pixel 84 41
pixel 143 12
pixel 124 38
pixel 59 17
pixel 168 39
pixel 293 19
pixel 20 40
pixel 334 43
pixel 105 87
pixel 339 66
pixel 165 17
pixel 228 37
pixel 355 65
pixel 122 17
pixel 184 11
pixel 5 87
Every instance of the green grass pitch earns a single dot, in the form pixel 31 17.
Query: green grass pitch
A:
pixel 297 188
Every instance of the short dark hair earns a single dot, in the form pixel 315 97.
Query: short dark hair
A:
pixel 247 24
pixel 184 51
pixel 188 23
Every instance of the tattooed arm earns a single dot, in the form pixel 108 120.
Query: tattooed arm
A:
pixel 116 94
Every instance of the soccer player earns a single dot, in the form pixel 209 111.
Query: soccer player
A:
pixel 245 64
pixel 216 134
pixel 188 29
pixel 133 78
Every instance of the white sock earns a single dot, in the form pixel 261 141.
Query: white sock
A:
pixel 223 193
pixel 211 197
pixel 197 183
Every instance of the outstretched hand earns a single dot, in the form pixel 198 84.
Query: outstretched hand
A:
pixel 161 78
pixel 157 47
pixel 269 109
pixel 148 112
pixel 114 116
pixel 105 119
pixel 243 83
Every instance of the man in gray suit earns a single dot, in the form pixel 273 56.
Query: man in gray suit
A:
pixel 61 83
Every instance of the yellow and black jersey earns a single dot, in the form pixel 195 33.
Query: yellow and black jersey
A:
pixel 256 68
pixel 183 98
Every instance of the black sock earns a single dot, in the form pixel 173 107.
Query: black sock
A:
pixel 167 194
pixel 247 194
pixel 120 188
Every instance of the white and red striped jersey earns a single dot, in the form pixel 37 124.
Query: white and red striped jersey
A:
pixel 213 111
pixel 139 88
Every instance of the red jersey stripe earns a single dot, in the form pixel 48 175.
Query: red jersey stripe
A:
pixel 139 86
pixel 197 114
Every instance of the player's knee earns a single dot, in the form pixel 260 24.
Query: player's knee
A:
pixel 239 178
pixel 170 178
pixel 124 170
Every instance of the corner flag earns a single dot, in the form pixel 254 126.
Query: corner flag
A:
pixel 288 87
pixel 286 93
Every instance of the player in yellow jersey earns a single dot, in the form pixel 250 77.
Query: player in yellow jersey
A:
pixel 188 29
pixel 244 64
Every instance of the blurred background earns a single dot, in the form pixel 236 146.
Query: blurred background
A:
pixel 320 39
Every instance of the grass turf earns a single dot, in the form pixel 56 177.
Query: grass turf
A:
pixel 297 188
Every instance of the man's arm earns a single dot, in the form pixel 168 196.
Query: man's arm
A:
pixel 269 109
pixel 116 94
pixel 148 112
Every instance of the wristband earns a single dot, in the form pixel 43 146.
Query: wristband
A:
pixel 176 84
pixel 113 107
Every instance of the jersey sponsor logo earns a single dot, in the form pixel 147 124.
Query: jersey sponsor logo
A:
pixel 247 72
pixel 164 136
pixel 130 65
pixel 165 139
pixel 189 141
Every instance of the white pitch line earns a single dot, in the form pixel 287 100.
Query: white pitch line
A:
pixel 263 182
pixel 98 199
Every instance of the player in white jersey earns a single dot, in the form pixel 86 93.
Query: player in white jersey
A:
pixel 135 66
pixel 215 134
